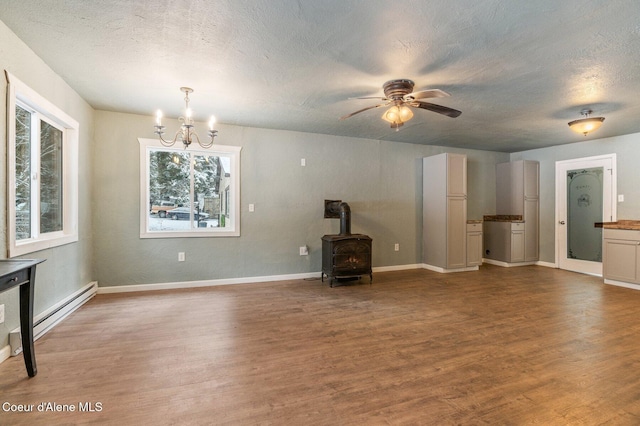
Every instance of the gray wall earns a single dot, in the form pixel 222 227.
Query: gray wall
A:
pixel 67 268
pixel 381 181
pixel 626 147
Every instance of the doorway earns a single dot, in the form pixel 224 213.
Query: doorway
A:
pixel 585 190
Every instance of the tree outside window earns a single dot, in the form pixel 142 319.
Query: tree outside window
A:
pixel 42 173
pixel 187 191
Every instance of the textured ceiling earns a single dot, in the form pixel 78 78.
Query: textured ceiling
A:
pixel 519 70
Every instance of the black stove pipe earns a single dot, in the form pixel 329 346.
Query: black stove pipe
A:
pixel 342 209
pixel 345 219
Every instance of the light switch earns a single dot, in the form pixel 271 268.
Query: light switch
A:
pixel 620 198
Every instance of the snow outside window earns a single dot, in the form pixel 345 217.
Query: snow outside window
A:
pixel 42 172
pixel 189 192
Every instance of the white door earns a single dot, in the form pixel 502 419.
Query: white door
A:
pixel 585 191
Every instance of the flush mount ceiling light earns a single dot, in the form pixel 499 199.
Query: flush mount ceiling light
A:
pixel 586 124
pixel 185 133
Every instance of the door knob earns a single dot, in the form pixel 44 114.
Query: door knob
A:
pixel 561 222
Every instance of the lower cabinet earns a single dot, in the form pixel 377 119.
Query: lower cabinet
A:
pixel 504 241
pixel 474 244
pixel 517 245
pixel 621 255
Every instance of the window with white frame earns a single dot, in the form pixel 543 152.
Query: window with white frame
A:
pixel 42 173
pixel 189 192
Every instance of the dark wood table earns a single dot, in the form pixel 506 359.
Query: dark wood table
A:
pixel 22 272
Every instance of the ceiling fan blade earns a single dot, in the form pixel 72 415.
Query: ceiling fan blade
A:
pixel 449 112
pixel 382 98
pixel 361 110
pixel 429 93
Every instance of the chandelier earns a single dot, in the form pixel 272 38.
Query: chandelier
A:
pixel 186 134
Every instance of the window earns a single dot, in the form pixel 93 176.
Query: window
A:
pixel 189 192
pixel 43 172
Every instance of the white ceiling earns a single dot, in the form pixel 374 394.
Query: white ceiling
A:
pixel 519 70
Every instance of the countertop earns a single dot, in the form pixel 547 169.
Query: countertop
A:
pixel 473 221
pixel 633 225
pixel 503 218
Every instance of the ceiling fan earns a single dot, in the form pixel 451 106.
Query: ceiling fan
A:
pixel 399 96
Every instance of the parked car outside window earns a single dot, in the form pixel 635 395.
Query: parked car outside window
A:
pixel 182 213
pixel 162 207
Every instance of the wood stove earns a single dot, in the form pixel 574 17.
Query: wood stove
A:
pixel 345 255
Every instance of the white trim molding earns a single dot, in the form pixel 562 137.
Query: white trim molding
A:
pixel 19 94
pixel 231 281
pixel 447 271
pixel 507 264
pixel 622 284
pixel 51 317
pixel 232 228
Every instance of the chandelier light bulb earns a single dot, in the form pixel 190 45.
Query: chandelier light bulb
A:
pixel 186 133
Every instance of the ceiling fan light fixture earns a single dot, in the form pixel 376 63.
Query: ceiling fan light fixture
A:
pixel 397 115
pixel 587 124
pixel 400 99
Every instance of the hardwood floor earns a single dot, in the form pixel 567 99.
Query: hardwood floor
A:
pixel 527 345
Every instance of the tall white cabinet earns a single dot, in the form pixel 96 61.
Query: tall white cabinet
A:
pixel 518 193
pixel 444 212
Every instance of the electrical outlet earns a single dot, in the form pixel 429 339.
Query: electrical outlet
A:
pixel 621 198
pixel 1 314
pixel 303 162
pixel 304 251
pixel 252 207
pixel 397 247
pixel 181 256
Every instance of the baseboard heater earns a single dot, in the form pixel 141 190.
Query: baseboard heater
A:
pixel 52 316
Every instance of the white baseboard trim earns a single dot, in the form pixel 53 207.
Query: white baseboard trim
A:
pixel 204 283
pixel 231 281
pixel 48 319
pixel 397 267
pixel 447 271
pixel 507 264
pixel 547 264
pixel 5 353
pixel 622 284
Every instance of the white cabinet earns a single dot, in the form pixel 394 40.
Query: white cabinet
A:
pixel 516 182
pixel 531 229
pixel 456 225
pixel 504 241
pixel 517 249
pixel 444 211
pixel 456 175
pixel 518 194
pixel 474 244
pixel 621 255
